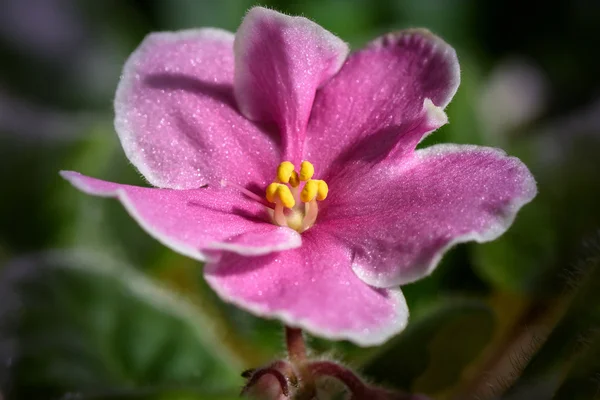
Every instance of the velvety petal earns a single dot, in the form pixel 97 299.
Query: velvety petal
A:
pixel 280 61
pixel 312 287
pixel 199 223
pixel 378 100
pixel 399 220
pixel 176 116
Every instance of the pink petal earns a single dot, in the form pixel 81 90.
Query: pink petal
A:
pixel 280 61
pixel 312 287
pixel 376 101
pixel 399 220
pixel 176 114
pixel 199 223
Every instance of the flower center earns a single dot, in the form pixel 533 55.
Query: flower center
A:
pixel 295 195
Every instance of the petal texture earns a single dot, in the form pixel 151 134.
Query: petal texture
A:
pixel 398 221
pixel 280 61
pixel 312 287
pixel 378 99
pixel 199 223
pixel 176 116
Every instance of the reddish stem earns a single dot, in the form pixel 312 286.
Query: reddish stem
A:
pixel 358 389
pixel 283 383
pixel 347 377
pixel 295 344
pixel 297 354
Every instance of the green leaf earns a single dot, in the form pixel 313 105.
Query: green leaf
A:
pixel 257 340
pixel 431 353
pixel 86 323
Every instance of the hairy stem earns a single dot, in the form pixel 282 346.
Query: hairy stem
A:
pixel 295 345
pixel 358 389
pixel 297 354
pixel 353 383
pixel 267 371
pixel 504 363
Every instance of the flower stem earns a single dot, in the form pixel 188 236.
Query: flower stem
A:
pixel 358 389
pixel 503 364
pixel 255 377
pixel 352 382
pixel 295 344
pixel 297 354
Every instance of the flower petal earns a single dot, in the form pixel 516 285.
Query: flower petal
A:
pixel 399 221
pixel 176 116
pixel 199 223
pixel 312 287
pixel 280 61
pixel 378 100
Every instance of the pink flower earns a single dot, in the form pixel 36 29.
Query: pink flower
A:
pixel 208 117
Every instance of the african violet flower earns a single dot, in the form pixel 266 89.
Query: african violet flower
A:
pixel 290 168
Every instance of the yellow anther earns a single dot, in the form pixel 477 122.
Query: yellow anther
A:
pixel 309 191
pixel 294 179
pixel 285 195
pixel 306 171
pixel 282 192
pixel 284 171
pixel 322 191
pixel 271 191
pixel 285 192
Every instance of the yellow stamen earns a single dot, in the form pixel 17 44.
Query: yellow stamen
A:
pixel 284 171
pixel 271 191
pixel 278 192
pixel 278 214
pixel 322 190
pixel 309 191
pixel 311 211
pixel 285 195
pixel 306 171
pixel 286 192
pixel 294 179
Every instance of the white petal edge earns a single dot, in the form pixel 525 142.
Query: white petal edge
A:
pixel 437 44
pixel 245 30
pixel 435 117
pixel 124 131
pixel 364 338
pixel 494 231
pixel 295 240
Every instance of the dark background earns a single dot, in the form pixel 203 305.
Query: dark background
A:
pixel 91 307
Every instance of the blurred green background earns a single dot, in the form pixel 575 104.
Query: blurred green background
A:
pixel 93 308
